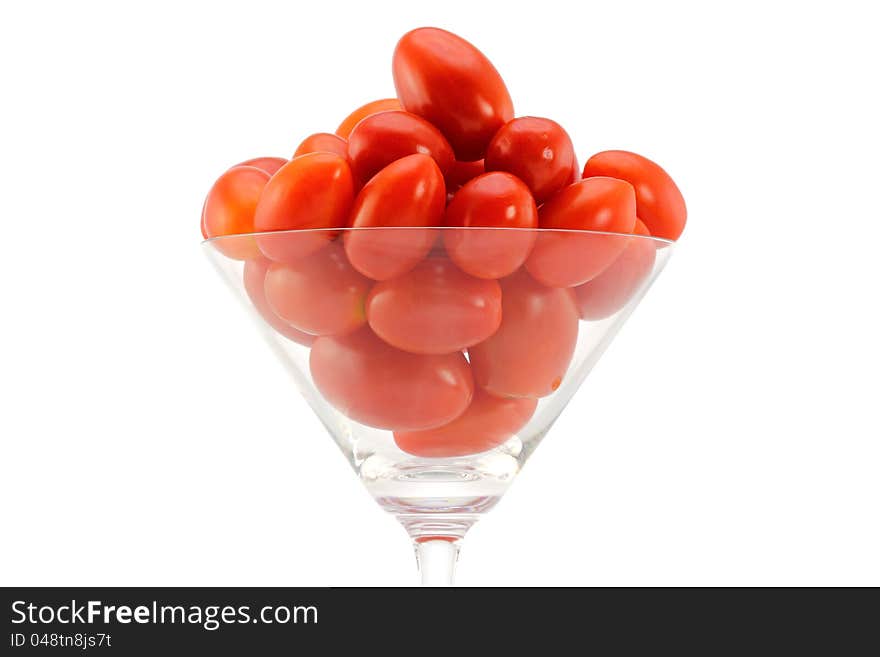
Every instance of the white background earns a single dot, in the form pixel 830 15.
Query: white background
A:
pixel 728 437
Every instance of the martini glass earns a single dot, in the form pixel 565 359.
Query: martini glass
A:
pixel 439 372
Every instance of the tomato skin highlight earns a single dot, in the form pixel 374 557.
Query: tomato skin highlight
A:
pixel 268 164
pixel 362 112
pixel 321 294
pixel 530 352
pixel 375 384
pixel 380 139
pixel 315 190
pixel 538 151
pixel 323 142
pixel 230 209
pixel 434 309
pixel 446 80
pixel 487 423
pixel 659 202
pixel 610 291
pixel 254 281
pixel 566 259
pixel 492 200
pixel 407 194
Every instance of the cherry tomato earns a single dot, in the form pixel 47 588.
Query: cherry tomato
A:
pixel 254 279
pixel 409 192
pixel 375 384
pixel 493 200
pixel 461 172
pixel 380 139
pixel 374 107
pixel 613 288
pixel 564 259
pixel 268 164
pixel 311 191
pixel 530 352
pixel 229 210
pixel 658 201
pixel 320 294
pixel 446 80
pixel 537 151
pixel 434 309
pixel 323 142
pixel 488 422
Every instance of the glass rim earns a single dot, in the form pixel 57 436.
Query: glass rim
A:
pixel 352 229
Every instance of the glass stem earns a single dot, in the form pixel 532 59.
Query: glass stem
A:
pixel 436 559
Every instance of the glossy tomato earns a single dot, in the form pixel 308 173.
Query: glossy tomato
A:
pixel 493 200
pixel 315 190
pixel 434 309
pixel 230 207
pixel 254 280
pixel 323 142
pixel 530 352
pixel 658 200
pixel 564 259
pixel 375 384
pixel 320 294
pixel 374 107
pixel 268 164
pixel 380 139
pixel 405 196
pixel 613 288
pixel 487 423
pixel 537 151
pixel 446 80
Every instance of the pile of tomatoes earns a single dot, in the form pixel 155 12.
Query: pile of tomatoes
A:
pixel 440 327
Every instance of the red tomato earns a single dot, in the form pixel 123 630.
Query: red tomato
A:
pixel 254 279
pixel 537 151
pixel 323 142
pixel 461 172
pixel 311 191
pixel 374 107
pixel 530 352
pixel 434 309
pixel 564 259
pixel 488 422
pixel 380 139
pixel 659 202
pixel 320 294
pixel 493 200
pixel 375 384
pixel 446 80
pixel 229 210
pixel 408 192
pixel 268 164
pixel 613 288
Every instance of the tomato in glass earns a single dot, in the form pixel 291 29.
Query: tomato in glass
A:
pixel 446 80
pixel 375 384
pixel 322 142
pixel 492 200
pixel 407 194
pixel 565 259
pixel 530 352
pixel 610 291
pixel 268 164
pixel 487 423
pixel 373 107
pixel 321 294
pixel 659 202
pixel 315 190
pixel 254 280
pixel 538 151
pixel 382 138
pixel 434 309
pixel 230 208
